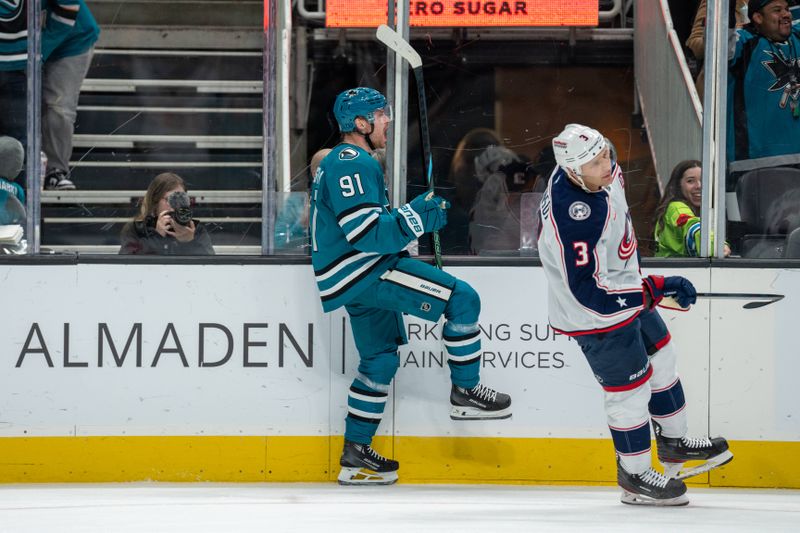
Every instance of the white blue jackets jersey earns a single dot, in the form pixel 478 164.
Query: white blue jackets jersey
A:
pixel 355 237
pixel 589 253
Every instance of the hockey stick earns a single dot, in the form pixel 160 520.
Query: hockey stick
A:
pixel 765 299
pixel 395 41
pixel 761 299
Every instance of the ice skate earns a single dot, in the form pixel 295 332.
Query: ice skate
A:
pixel 674 452
pixel 650 488
pixel 479 403
pixel 361 465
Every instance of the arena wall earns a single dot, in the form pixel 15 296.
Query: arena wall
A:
pixel 233 373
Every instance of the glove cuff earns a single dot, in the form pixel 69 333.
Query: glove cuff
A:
pixel 412 220
pixel 653 286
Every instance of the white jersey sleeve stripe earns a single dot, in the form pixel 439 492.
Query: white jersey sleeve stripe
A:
pixel 344 281
pixel 358 230
pixel 354 215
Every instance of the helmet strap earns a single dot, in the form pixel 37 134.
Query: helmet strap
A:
pixel 577 180
pixel 367 136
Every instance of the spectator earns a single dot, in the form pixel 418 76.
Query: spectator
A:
pixel 12 195
pixel 13 61
pixel 12 156
pixel 697 39
pixel 545 164
pixel 455 236
pixel 11 210
pixel 291 224
pixel 164 225
pixel 69 31
pixel 462 166
pixel 764 85
pixel 677 217
pixel 63 73
pixel 494 217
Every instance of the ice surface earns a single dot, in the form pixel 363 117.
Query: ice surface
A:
pixel 324 508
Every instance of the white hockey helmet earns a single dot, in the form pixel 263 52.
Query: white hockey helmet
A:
pixel 576 146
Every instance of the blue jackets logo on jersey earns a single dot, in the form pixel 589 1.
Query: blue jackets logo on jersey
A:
pixel 579 211
pixel 627 246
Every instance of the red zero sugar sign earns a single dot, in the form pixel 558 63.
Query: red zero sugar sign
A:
pixel 448 13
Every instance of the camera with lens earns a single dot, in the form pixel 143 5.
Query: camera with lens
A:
pixel 181 208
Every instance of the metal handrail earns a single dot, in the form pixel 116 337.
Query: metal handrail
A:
pixel 200 141
pixel 219 249
pixel 202 86
pixel 125 196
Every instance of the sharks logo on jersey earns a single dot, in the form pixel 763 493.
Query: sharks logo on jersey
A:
pixel 787 78
pixel 347 154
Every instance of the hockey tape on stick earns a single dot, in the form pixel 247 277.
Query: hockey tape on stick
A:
pixel 395 41
pixel 668 302
pixel 403 48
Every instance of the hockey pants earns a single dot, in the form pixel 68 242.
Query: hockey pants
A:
pixel 376 319
pixel 637 368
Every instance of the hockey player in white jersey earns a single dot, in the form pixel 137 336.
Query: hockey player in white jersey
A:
pixel 597 295
pixel 358 252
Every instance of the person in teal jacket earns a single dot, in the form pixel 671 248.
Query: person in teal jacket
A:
pixel 67 55
pixel 677 217
pixel 11 162
pixel 764 86
pixel 68 36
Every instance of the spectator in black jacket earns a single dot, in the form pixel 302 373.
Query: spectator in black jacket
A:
pixel 164 225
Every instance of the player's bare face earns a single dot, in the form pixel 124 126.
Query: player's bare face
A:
pixel 597 172
pixel 692 186
pixel 774 21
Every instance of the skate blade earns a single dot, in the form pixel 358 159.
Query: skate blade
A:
pixel 670 469
pixel 637 499
pixel 459 412
pixel 364 476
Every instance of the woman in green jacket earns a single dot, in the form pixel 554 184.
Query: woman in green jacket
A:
pixel 677 217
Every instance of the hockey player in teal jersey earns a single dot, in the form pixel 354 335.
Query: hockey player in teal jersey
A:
pixel 358 252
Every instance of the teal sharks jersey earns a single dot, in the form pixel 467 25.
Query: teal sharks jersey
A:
pixel 764 96
pixel 355 236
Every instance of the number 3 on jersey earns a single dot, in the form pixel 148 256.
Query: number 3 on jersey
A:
pixel 582 250
pixel 347 186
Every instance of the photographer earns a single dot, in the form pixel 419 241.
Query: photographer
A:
pixel 164 225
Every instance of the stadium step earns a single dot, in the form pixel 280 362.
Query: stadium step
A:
pixel 142 112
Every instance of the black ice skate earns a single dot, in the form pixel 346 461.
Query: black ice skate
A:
pixel 673 453
pixel 650 488
pixel 479 403
pixel 361 465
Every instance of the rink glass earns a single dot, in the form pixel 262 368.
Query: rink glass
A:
pixel 216 105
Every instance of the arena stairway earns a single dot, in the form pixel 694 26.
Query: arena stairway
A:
pixel 173 87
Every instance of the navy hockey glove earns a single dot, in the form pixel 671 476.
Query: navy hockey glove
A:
pixel 424 214
pixel 656 288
